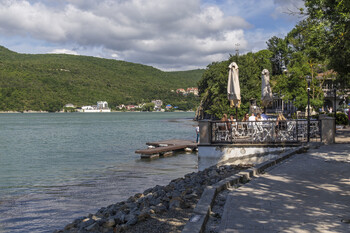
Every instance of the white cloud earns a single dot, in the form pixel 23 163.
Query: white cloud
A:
pixel 115 56
pixel 163 33
pixel 64 51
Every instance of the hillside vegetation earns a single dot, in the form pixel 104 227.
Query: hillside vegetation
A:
pixel 49 81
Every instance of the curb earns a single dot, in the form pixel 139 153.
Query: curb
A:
pixel 202 210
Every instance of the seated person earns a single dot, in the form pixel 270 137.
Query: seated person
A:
pixel 232 118
pixel 246 117
pixel 281 122
pixel 258 117
pixel 252 117
pixel 232 121
pixel 224 119
pixel 263 117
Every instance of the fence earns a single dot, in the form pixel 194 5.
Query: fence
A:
pixel 264 131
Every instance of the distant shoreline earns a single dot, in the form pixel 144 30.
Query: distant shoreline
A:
pixel 29 111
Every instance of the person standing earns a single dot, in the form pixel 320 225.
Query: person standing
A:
pixel 197 132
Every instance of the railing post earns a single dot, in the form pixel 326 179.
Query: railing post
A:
pixel 327 129
pixel 296 126
pixel 320 128
pixel 230 132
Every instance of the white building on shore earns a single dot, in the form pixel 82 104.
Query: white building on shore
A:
pixel 157 104
pixel 102 106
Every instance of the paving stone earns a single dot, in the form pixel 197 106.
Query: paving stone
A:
pixel 301 194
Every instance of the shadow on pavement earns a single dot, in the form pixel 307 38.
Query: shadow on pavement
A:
pixel 308 193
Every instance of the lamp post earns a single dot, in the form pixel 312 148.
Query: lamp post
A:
pixel 335 109
pixel 308 79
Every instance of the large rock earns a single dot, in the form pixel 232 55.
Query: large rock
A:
pixel 132 221
pixel 179 193
pixel 138 195
pixel 160 208
pixel 109 223
pixel 93 227
pixel 86 222
pixel 175 202
pixel 213 173
pixel 143 215
pixel 119 218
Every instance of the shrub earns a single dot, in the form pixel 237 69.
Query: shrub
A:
pixel 341 118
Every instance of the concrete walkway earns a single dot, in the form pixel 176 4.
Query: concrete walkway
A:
pixel 343 135
pixel 309 192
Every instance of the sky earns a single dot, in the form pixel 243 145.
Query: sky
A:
pixel 166 34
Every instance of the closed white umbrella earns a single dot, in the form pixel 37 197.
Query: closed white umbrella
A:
pixel 266 93
pixel 233 89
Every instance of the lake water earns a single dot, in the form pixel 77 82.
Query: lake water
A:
pixel 58 167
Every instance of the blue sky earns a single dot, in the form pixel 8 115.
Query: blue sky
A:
pixel 166 34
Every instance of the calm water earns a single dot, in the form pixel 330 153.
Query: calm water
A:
pixel 58 167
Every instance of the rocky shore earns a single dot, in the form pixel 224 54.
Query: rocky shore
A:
pixel 158 209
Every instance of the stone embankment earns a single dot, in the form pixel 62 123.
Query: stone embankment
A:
pixel 179 194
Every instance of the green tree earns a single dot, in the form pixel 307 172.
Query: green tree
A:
pixel 213 85
pixel 148 107
pixel 41 82
pixel 305 42
pixel 335 15
pixel 279 59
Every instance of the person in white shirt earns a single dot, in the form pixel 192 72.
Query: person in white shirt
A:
pixel 252 117
pixel 197 133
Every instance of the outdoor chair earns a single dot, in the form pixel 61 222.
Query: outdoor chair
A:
pixel 302 129
pixel 314 129
pixel 237 130
pixel 268 128
pixel 242 128
pixel 222 132
pixel 256 130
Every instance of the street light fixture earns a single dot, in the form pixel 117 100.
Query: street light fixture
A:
pixel 284 69
pixel 308 79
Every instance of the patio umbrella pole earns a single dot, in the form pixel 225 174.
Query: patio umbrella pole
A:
pixel 236 114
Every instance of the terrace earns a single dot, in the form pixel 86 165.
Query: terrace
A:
pixel 257 141
pixel 289 131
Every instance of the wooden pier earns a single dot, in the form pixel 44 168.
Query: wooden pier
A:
pixel 167 147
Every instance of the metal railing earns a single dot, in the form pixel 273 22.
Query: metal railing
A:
pixel 264 131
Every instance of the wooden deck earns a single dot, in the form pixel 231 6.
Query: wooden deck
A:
pixel 163 148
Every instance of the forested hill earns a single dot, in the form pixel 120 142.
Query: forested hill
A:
pixel 49 81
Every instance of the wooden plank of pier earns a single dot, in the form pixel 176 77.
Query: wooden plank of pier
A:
pixel 172 142
pixel 163 147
